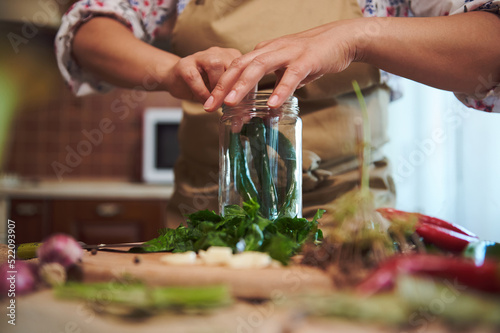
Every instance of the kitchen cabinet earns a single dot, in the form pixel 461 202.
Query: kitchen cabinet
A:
pixel 109 221
pixel 31 217
pixel 90 221
pixel 91 212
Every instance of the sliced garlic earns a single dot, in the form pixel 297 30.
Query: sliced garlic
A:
pixel 216 255
pixel 250 259
pixel 184 258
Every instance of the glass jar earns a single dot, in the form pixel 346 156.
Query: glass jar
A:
pixel 260 156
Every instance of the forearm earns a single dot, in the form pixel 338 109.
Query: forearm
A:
pixel 460 53
pixel 108 49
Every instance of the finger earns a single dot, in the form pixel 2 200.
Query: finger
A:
pixel 290 80
pixel 279 61
pixel 214 68
pixel 204 77
pixel 279 74
pixel 215 61
pixel 193 78
pixel 243 75
pixel 248 79
pixel 226 82
pixel 263 44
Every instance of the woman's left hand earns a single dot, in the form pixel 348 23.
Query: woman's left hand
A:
pixel 296 60
pixel 458 53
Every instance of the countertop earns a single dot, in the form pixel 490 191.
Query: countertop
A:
pixel 85 189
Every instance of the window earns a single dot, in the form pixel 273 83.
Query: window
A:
pixel 446 159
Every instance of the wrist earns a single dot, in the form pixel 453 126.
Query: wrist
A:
pixel 160 72
pixel 365 36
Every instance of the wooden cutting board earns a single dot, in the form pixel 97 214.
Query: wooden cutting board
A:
pixel 245 283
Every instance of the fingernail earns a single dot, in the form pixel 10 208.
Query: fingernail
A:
pixel 209 102
pixel 273 101
pixel 231 97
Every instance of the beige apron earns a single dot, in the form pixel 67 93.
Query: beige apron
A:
pixel 327 106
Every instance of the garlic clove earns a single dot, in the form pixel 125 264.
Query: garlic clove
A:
pixel 250 259
pixel 185 258
pixel 216 255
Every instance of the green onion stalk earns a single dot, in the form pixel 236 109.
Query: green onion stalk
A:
pixel 365 146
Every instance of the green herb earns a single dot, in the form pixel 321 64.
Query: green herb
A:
pixel 241 229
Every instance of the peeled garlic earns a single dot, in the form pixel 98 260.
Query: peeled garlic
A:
pixel 184 258
pixel 222 256
pixel 250 259
pixel 216 255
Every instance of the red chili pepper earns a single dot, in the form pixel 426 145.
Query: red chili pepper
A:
pixel 443 234
pixel 391 214
pixel 485 277
pixel 445 239
pixel 443 224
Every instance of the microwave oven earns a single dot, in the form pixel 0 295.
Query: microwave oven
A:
pixel 160 144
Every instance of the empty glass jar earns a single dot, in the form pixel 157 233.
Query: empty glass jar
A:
pixel 260 156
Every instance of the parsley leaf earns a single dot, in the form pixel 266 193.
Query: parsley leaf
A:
pixel 239 228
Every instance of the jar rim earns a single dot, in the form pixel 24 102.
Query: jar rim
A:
pixel 258 100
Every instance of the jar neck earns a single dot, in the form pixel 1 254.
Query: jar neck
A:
pixel 256 103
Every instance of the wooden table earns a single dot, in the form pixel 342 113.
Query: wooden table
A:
pixel 42 312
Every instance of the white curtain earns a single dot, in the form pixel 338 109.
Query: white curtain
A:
pixel 446 159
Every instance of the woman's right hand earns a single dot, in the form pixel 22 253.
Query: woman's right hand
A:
pixel 119 58
pixel 195 76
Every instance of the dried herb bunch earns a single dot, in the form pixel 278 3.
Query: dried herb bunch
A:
pixel 358 237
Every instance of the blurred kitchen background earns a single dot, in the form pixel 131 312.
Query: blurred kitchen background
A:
pixel 446 158
pixel 50 179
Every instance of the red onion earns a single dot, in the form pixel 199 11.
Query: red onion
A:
pixel 18 279
pixel 60 248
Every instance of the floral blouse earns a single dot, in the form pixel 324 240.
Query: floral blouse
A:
pixel 144 18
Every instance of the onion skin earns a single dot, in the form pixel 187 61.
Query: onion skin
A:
pixel 26 279
pixel 61 249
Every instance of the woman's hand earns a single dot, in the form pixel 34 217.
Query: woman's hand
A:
pixel 194 76
pixel 119 58
pixel 296 60
pixel 458 53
